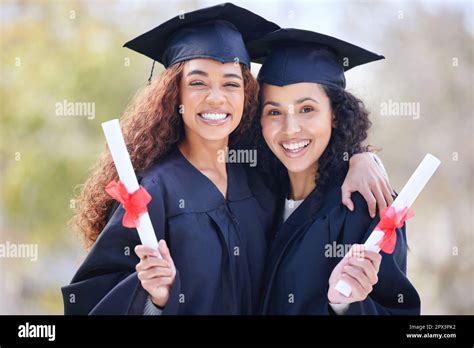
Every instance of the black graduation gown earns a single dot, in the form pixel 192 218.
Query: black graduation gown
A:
pixel 298 268
pixel 218 245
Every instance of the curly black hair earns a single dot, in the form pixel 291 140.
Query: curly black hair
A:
pixel 348 134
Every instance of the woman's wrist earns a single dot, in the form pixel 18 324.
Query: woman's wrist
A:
pixel 157 303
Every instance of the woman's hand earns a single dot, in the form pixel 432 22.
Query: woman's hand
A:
pixel 366 177
pixel 156 275
pixel 359 269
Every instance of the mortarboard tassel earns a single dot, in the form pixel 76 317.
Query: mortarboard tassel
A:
pixel 151 73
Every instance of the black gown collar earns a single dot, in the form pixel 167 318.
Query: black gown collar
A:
pixel 237 185
pixel 182 176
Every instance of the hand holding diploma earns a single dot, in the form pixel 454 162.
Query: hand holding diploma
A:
pixel 156 275
pixel 359 269
pixel 155 272
pixel 384 235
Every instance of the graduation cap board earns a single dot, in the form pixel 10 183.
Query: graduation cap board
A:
pixel 217 32
pixel 294 55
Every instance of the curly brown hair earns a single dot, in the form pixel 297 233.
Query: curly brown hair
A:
pixel 351 125
pixel 152 127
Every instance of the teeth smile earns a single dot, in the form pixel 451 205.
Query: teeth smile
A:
pixel 295 147
pixel 213 116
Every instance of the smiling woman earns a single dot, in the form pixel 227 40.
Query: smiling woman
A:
pixel 310 123
pixel 211 96
pixel 296 125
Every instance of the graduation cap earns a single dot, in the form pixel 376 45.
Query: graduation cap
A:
pixel 294 55
pixel 216 32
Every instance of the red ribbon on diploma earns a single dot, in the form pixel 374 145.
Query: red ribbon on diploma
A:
pixel 391 219
pixel 134 203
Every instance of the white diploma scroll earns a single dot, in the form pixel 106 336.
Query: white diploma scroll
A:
pixel 122 161
pixel 405 199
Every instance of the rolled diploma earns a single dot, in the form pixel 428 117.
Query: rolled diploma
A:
pixel 405 199
pixel 122 161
